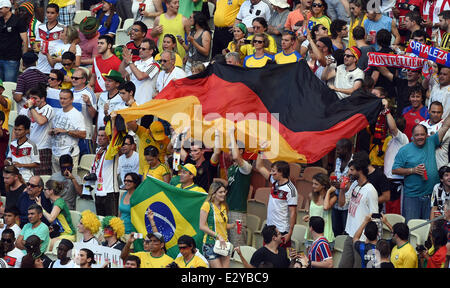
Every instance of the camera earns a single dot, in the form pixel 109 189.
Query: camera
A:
pixel 90 177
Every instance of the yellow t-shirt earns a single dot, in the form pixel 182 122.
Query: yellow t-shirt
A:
pixel 158 172
pixel 194 263
pixel 146 140
pixel 226 12
pixel 373 155
pixel 404 256
pixel 281 58
pixel 175 27
pixel 67 85
pixel 193 187
pixel 62 3
pixel 248 49
pixel 324 20
pixel 252 62
pixel 353 25
pixel 6 111
pixel 220 219
pixel 178 60
pixel 148 261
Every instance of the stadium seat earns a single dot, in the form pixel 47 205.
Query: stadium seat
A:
pixel 298 236
pixel 257 208
pixel 86 162
pixel 295 170
pixel 122 36
pixel 304 189
pixel 253 224
pixel 9 87
pixel 421 233
pixel 392 219
pixel 247 253
pixel 236 264
pixel 338 249
pixel 309 172
pixel 258 240
pixel 300 214
pixel 262 195
pixel 45 178
pixel 257 180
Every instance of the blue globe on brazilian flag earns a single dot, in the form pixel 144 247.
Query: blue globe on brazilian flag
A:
pixel 176 212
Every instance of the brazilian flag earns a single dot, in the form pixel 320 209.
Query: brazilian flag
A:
pixel 176 212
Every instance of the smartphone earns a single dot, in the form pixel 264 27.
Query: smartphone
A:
pixel 376 215
pixel 246 41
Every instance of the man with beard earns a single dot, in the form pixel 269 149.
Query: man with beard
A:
pixel 168 71
pixel 362 200
pixel 103 63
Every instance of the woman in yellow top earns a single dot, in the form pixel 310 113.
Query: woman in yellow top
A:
pixel 260 57
pixel 239 34
pixel 170 44
pixel 214 222
pixel 156 169
pixel 319 16
pixel 358 16
pixel 260 26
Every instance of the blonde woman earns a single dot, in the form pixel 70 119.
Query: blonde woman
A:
pixel 70 40
pixel 214 222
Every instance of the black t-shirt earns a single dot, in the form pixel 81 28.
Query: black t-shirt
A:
pixel 387 265
pixel 10 41
pixel 403 91
pixel 13 196
pixel 263 254
pixel 206 172
pixel 383 81
pixel 380 182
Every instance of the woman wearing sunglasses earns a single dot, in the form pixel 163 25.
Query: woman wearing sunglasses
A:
pixel 214 222
pixel 131 181
pixel 319 14
pixel 260 26
pixel 260 57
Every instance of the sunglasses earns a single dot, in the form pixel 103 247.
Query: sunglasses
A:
pixel 53 79
pixel 76 78
pixel 144 48
pixel 164 61
pixel 136 30
pixel 349 55
pixel 7 240
pixel 32 185
pixel 258 41
pixel 317 5
pixel 67 64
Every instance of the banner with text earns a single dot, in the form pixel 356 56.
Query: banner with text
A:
pixel 431 53
pixel 397 61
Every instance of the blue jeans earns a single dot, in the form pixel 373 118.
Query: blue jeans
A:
pixel 9 70
pixel 416 207
pixel 336 10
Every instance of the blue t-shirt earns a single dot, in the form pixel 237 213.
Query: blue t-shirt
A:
pixel 409 156
pixel 384 23
pixel 41 231
pixel 115 21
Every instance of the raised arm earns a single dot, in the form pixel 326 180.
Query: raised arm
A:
pixel 444 128
pixel 261 168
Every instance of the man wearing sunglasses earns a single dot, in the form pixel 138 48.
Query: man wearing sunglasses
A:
pixel 251 9
pixel 13 255
pixel 169 70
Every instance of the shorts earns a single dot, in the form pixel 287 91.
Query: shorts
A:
pixel 208 252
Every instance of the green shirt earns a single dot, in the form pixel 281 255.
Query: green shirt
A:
pixel 64 220
pixel 41 231
pixel 238 187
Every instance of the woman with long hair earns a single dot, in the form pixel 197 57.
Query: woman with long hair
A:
pixel 322 200
pixel 131 182
pixel 239 34
pixel 214 223
pixel 146 11
pixel 109 20
pixel 170 44
pixel 260 26
pixel 319 14
pixel 199 41
pixel 156 169
pixel 357 16
pixel 70 40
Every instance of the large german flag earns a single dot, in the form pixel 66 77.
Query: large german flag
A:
pixel 285 105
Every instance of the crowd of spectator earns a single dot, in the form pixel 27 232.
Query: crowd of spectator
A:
pixel 71 78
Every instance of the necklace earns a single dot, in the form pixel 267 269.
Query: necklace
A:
pixel 166 78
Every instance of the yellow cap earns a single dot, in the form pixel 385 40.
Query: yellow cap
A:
pixel 157 130
pixel 190 168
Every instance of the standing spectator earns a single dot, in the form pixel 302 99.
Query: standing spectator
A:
pixel 147 14
pixel 66 11
pixel 170 44
pixel 5 107
pixel 214 223
pixel 224 16
pixel 339 30
pixel 319 14
pixel 441 92
pixel 233 58
pixel 89 226
pixel 26 14
pixel 444 24
pixel 375 22
pixel 52 31
pixel 359 38
pixel 251 9
pixel 383 247
pixel 11 217
pixel 260 26
pixel 129 160
pixel 319 256
pixel 113 230
pixel 107 187
pixel 13 256
pixel 298 18
pixel 437 259
pixel 85 101
pixel 89 36
pixel 430 14
pixel 171 22
pixel 401 9
pixel 123 9
pixel 14 186
pixel 29 79
pixel 259 58
pixel 441 193
pixel 4 140
pixel 110 99
pixel 412 23
pixel 132 262
pixel 188 258
pixel 417 112
pixel 67 127
pixel 33 248
pixel 282 207
pixel 132 181
pixel 3 263
pixel 72 185
pixel 108 18
pixel 363 200
pixel 34 227
pixel 55 79
pixel 23 153
pixel 357 17
pixel 199 41
pixel 156 169
pixel 126 92
pixel 34 189
pixel 169 71
pixel 278 20
pixel 103 63
pixel 42 115
pixel 403 255
pixel 63 260
pixel 366 249
pixel 14 42
pixel 336 10
pixel 413 161
pixel 143 72
pixel 69 38
pixel 272 252
pixel 137 34
pixel 239 35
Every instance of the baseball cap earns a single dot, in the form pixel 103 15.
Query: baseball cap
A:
pixel 5 3
pixel 157 235
pixel 157 130
pixel 189 167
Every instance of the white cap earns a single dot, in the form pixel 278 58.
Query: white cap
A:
pixel 280 3
pixel 5 3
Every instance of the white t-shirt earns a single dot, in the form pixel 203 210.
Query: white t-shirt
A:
pixel 55 42
pixel 27 153
pixel 57 264
pixel 165 78
pixel 128 165
pixel 362 202
pixel 63 143
pixel 60 48
pixel 346 79
pixel 442 150
pixel 440 196
pixel 281 197
pixel 393 146
pixel 441 94
pixel 248 12
pixel 144 88
pixel 106 171
pixel 115 103
pixel 16 256
pixel 15 228
pixel 39 133
pixel 80 105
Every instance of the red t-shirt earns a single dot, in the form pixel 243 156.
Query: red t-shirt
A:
pixel 438 258
pixel 413 118
pixel 104 66
pixel 134 51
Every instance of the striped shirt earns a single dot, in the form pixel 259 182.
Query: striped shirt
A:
pixel 30 78
pixel 445 42
pixel 320 250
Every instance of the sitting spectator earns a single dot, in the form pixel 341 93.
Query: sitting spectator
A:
pixel 55 79
pixel 168 71
pixel 113 230
pixel 88 40
pixel 239 37
pixel 14 186
pixel 170 44
pixel 197 67
pixel 131 182
pixel 188 258
pixel 437 257
pixel 108 18
pixel 137 35
pixel 187 173
pixel 156 169
pixel 259 58
pixel 260 26
pixel 251 9
pixel 68 63
pixel 86 258
pixel 416 112
pixel 11 217
pixel 233 58
pixel 34 227
pixel 63 260
pixel 13 255
pixel 319 255
pixel 367 248
pixel 89 226
pixel 384 248
pixel 132 262
pixel 72 184
pixel 441 193
pixel 403 254
pixel 34 257
pixel 60 212
pixel 339 30
pixel 23 153
pixel 288 53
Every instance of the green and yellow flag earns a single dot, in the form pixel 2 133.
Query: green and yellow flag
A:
pixel 176 212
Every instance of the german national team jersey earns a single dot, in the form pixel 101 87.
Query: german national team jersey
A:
pixel 281 197
pixel 253 62
pixel 320 250
pixel 281 58
pixel 25 153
